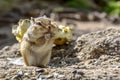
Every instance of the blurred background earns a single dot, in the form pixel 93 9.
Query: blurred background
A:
pixel 84 15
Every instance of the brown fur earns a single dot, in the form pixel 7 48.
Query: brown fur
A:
pixel 37 43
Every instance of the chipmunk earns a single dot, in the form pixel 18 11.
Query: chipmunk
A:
pixel 63 36
pixel 37 42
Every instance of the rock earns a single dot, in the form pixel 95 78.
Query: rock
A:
pixel 96 44
pixel 74 71
pixel 40 70
pixel 50 76
pixel 20 73
pixel 26 75
pixel 41 77
pixel 77 71
pixel 83 67
pixel 2 76
pixel 77 77
pixel 96 63
pixel 16 61
pixel 97 16
pixel 58 76
pixel 6 48
pixel 118 66
pixel 80 72
pixel 18 76
pixel 15 77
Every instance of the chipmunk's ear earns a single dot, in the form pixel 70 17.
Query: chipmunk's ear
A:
pixel 32 20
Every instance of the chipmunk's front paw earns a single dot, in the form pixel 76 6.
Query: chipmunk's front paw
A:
pixel 49 36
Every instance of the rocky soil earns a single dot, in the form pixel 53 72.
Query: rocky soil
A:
pixel 91 56
pixel 94 53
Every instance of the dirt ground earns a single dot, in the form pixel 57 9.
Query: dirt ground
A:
pixel 65 63
pixel 81 59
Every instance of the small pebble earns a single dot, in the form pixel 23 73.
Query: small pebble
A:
pixel 74 72
pixel 77 77
pixel 26 75
pixel 83 67
pixel 40 70
pixel 6 48
pixel 41 77
pixel 18 76
pixel 117 66
pixel 50 76
pixel 57 75
pixel 96 63
pixel 60 76
pixel 20 73
pixel 2 75
pixel 80 72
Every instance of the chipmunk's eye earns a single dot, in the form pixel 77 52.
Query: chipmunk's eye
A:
pixel 39 23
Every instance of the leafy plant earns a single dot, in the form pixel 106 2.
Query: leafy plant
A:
pixel 6 5
pixel 78 3
pixel 112 7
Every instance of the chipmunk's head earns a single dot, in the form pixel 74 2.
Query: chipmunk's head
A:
pixel 42 27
